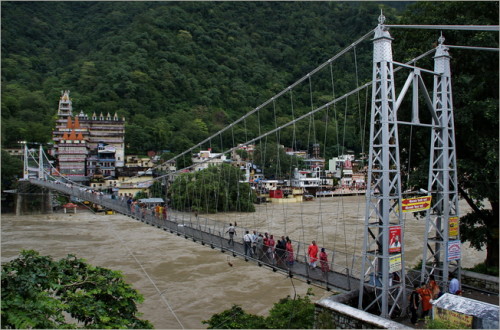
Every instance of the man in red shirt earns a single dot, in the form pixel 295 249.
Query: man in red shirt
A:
pixel 312 252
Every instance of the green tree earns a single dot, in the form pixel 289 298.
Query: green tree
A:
pixel 476 111
pixel 156 190
pixel 140 195
pixel 12 169
pixel 217 188
pixel 287 313
pixel 235 318
pixel 291 313
pixel 38 292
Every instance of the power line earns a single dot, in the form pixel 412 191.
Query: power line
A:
pixel 448 27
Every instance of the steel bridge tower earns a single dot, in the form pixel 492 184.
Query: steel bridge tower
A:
pixel 441 254
pixel 383 196
pixel 441 251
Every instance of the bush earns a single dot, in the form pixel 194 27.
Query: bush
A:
pixel 38 292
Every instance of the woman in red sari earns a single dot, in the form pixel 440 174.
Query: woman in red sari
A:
pixel 323 259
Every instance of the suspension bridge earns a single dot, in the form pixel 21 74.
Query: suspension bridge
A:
pixel 378 272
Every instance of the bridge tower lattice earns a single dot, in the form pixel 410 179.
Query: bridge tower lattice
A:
pixel 383 196
pixel 443 182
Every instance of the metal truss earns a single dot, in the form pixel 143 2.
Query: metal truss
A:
pixel 443 183
pixel 383 207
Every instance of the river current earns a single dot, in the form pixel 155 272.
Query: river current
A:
pixel 184 282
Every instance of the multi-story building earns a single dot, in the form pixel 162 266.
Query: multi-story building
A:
pixel 102 159
pixel 103 136
pixel 72 152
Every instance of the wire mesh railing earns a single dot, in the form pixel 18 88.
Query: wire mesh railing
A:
pixel 341 271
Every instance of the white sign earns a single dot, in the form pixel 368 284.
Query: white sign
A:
pixel 454 250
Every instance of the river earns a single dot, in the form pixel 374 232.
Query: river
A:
pixel 184 282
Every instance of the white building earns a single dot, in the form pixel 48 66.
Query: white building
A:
pixel 206 158
pixel 306 179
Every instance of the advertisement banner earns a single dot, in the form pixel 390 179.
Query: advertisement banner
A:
pixel 453 250
pixel 394 239
pixel 461 321
pixel 416 204
pixel 453 228
pixel 395 263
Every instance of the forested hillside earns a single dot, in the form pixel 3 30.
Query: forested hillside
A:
pixel 176 71
pixel 180 71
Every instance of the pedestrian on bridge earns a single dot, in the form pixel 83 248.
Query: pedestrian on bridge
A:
pixel 247 241
pixel 280 251
pixel 259 248
pixel 414 303
pixel 270 249
pixel 254 242
pixel 164 212
pixel 434 287
pixel 232 232
pixel 129 203
pixel 312 252
pixel 289 252
pixel 323 259
pixel 426 296
pixel 265 239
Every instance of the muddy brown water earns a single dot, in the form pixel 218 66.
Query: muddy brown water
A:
pixel 184 282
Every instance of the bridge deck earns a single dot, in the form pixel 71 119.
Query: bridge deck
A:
pixel 213 237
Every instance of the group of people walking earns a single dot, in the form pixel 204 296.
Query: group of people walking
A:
pixel 425 293
pixel 138 209
pixel 265 247
pixel 312 252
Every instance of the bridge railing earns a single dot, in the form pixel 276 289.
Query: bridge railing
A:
pixel 340 262
pixel 214 233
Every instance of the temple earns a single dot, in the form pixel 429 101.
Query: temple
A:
pixel 85 147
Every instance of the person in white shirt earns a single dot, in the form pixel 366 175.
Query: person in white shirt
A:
pixel 247 241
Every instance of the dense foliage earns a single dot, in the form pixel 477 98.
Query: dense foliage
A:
pixel 181 71
pixel 288 313
pixel 214 189
pixel 475 104
pixel 12 168
pixel 177 71
pixel 39 292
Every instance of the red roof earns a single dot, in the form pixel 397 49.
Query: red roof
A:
pixel 69 205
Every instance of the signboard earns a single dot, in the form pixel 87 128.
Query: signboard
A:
pixel 395 263
pixel 394 239
pixel 453 228
pixel 453 250
pixel 461 321
pixel 416 204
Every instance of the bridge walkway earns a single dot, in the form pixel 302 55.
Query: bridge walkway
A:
pixel 208 232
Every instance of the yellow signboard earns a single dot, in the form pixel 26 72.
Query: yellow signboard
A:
pixel 462 321
pixel 395 263
pixel 416 204
pixel 453 229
